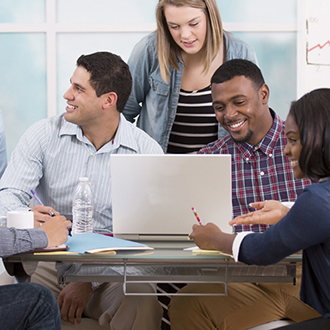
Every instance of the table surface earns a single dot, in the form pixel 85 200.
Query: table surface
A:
pixel 168 262
pixel 164 251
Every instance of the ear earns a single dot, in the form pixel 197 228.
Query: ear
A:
pixel 110 100
pixel 264 94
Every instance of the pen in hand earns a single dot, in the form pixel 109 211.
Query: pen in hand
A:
pixel 51 213
pixel 196 215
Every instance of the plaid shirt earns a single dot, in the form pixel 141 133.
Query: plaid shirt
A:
pixel 260 172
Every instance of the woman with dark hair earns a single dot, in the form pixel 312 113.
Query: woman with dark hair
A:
pixel 172 69
pixel 306 226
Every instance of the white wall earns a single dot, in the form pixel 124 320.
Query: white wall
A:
pixel 41 40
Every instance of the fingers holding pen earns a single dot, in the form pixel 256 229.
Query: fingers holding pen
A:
pixel 42 214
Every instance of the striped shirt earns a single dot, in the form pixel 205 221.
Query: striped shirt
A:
pixel 195 124
pixel 13 241
pixel 260 172
pixel 51 156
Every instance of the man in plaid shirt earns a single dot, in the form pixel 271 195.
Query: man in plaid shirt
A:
pixel 260 171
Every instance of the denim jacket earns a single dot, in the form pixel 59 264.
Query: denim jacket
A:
pixel 153 99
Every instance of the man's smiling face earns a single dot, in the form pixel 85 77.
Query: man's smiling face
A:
pixel 241 108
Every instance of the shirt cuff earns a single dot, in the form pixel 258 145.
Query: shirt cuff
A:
pixel 39 239
pixel 288 204
pixel 237 243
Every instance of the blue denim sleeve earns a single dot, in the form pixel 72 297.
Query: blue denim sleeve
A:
pixel 140 62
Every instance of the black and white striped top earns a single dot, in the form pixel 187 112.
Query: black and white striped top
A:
pixel 195 124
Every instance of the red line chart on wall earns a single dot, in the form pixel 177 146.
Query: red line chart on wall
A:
pixel 317 32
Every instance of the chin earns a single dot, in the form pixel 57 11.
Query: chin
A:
pixel 69 118
pixel 240 138
pixel 299 175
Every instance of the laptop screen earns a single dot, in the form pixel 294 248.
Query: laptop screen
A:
pixel 153 195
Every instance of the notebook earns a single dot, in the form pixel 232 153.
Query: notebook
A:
pixel 153 195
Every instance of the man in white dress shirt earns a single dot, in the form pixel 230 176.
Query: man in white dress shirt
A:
pixel 52 155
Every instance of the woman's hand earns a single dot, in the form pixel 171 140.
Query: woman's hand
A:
pixel 269 213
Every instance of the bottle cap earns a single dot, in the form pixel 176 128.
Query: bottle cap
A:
pixel 83 178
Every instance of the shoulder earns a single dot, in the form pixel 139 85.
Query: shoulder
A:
pixel 138 139
pixel 44 129
pixel 314 200
pixel 238 48
pixel 321 190
pixel 147 44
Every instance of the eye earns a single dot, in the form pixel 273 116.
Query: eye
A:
pixel 79 89
pixel 173 27
pixel 240 102
pixel 194 24
pixel 218 108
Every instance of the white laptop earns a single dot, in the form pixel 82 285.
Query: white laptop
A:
pixel 153 195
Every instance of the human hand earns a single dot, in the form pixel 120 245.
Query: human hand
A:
pixel 73 299
pixel 41 214
pixel 269 213
pixel 210 237
pixel 56 229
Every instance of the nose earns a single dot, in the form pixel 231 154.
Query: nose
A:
pixel 185 32
pixel 230 112
pixel 286 150
pixel 69 95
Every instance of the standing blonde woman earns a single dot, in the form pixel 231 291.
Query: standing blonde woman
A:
pixel 172 70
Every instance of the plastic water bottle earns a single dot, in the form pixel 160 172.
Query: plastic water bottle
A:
pixel 82 208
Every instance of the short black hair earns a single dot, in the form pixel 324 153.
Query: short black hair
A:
pixel 312 116
pixel 109 73
pixel 238 67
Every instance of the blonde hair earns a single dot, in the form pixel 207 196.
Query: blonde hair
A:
pixel 168 50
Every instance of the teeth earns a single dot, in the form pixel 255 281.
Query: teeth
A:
pixel 294 162
pixel 237 124
pixel 72 107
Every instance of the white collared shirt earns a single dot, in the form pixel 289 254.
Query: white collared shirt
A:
pixel 51 156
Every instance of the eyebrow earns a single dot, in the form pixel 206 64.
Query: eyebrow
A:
pixel 231 99
pixel 193 19
pixel 77 85
pixel 292 132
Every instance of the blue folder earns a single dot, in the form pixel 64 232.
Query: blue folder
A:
pixel 93 243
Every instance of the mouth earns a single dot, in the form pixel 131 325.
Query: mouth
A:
pixel 189 43
pixel 294 163
pixel 237 125
pixel 71 108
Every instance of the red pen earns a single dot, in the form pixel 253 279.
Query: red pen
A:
pixel 196 215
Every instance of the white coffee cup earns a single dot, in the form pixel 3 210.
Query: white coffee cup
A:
pixel 20 219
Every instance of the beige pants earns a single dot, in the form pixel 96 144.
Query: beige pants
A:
pixel 246 305
pixel 109 305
